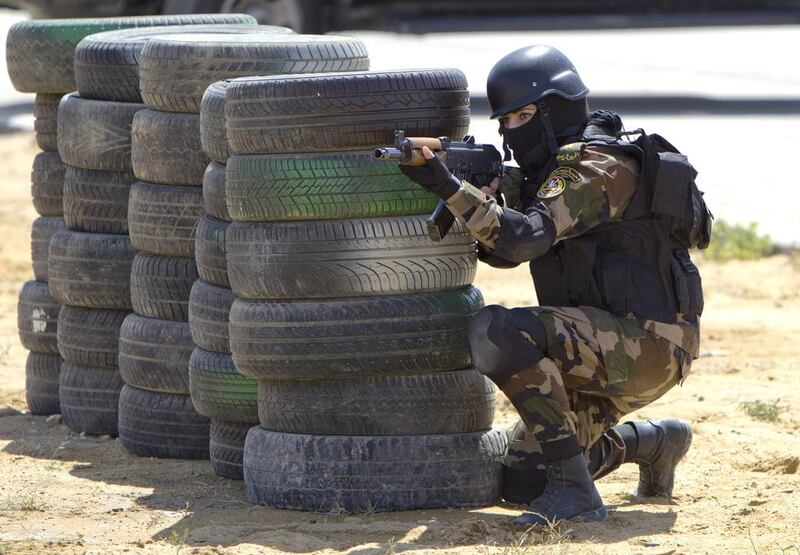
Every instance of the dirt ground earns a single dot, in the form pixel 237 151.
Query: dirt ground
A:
pixel 738 490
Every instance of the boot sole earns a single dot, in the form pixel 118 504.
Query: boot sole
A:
pixel 593 516
pixel 590 516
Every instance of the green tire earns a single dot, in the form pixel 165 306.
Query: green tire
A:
pixel 320 187
pixel 219 391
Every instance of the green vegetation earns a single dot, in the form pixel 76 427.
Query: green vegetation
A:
pixel 762 410
pixel 737 242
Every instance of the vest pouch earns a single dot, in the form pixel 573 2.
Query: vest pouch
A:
pixel 616 284
pixel 579 259
pixel 687 282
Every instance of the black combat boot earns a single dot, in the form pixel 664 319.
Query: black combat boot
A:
pixel 660 444
pixel 569 495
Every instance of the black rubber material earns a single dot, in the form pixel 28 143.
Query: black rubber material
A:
pixel 174 72
pixel 91 270
pixel 90 336
pixel 345 258
pixel 162 219
pixel 37 318
pixel 107 64
pixel 96 134
pixel 42 230
pixel 96 201
pixel 166 148
pixel 45 123
pixel 161 425
pixel 214 192
pixel 40 53
pixel 160 286
pixel 89 399
pixel 210 251
pixel 443 403
pixel 219 391
pixel 320 187
pixel 213 136
pixel 154 354
pixel 47 184
pixel 41 383
pixel 346 111
pixel 227 448
pixel 209 311
pixel 360 474
pixel 375 336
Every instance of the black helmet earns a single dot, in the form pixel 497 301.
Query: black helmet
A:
pixel 529 74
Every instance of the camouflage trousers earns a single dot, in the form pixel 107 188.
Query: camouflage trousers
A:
pixel 571 373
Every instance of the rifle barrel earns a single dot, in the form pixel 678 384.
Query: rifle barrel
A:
pixel 389 153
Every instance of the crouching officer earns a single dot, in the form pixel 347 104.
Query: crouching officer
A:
pixel 605 225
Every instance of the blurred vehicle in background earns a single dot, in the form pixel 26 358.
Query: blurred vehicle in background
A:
pixel 417 16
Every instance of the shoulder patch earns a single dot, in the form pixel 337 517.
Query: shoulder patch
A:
pixel 570 152
pixel 557 181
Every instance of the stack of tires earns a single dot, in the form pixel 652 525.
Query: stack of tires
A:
pixel 353 322
pixel 218 390
pixel 39 56
pixel 157 416
pixel 37 311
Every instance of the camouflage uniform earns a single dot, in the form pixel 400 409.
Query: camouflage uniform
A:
pixel 571 372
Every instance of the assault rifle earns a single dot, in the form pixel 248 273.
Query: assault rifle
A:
pixel 477 164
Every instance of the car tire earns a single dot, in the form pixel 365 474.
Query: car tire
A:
pixel 444 403
pixel 37 318
pixel 321 186
pixel 210 251
pixel 345 258
pixel 162 219
pixel 219 391
pixel 47 184
pixel 89 399
pixel 45 121
pixel 227 448
pixel 341 338
pixel 40 53
pixel 89 337
pixel 209 313
pixel 167 149
pixel 175 72
pixel 107 64
pixel 154 354
pixel 92 270
pixel 345 111
pixel 41 383
pixel 97 201
pixel 161 425
pixel 96 134
pixel 42 230
pixel 360 474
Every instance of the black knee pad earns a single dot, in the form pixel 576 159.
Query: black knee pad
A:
pixel 498 348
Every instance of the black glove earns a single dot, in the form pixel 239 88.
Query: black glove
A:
pixel 434 177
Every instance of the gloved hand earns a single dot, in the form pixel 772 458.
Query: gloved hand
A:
pixel 433 176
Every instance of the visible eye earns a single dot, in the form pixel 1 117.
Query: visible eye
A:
pixel 525 115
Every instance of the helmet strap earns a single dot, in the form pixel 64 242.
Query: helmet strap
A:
pixel 544 112
pixel 506 150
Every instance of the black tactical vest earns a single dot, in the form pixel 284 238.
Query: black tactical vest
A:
pixel 637 265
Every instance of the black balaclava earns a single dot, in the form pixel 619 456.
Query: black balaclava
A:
pixel 536 142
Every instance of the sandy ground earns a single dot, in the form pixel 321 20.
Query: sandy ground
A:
pixel 738 490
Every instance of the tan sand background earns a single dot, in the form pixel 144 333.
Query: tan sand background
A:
pixel 738 490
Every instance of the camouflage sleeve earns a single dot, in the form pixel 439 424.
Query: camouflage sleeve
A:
pixel 478 211
pixel 511 236
pixel 594 188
